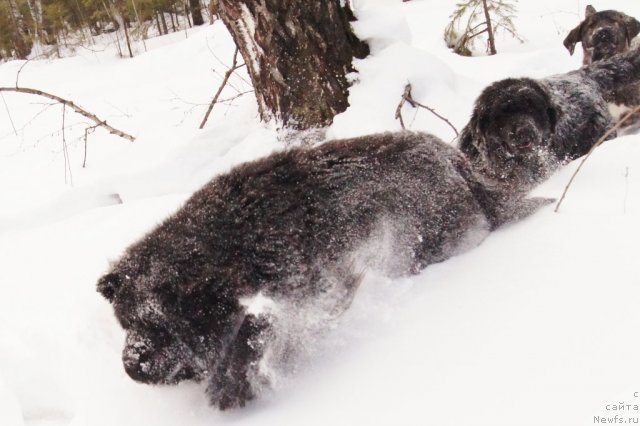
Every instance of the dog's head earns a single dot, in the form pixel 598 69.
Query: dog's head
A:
pixel 602 34
pixel 507 138
pixel 172 330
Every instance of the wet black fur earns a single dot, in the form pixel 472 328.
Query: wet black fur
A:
pixel 291 227
pixel 604 34
pixel 521 129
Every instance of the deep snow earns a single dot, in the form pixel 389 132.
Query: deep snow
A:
pixel 536 326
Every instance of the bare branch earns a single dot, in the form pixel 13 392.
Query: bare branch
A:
pixel 475 27
pixel 86 135
pixel 234 67
pixel 597 144
pixel 406 97
pixel 20 70
pixel 32 119
pixel 477 34
pixel 65 150
pixel 15 132
pixel 71 105
pixel 232 98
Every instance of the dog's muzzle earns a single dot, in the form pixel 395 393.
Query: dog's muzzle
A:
pixel 146 363
pixel 524 136
pixel 604 44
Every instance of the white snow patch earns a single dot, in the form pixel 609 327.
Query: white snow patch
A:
pixel 536 326
pixel 258 304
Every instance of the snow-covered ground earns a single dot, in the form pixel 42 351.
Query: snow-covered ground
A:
pixel 537 326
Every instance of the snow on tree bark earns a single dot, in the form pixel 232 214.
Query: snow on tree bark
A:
pixel 298 54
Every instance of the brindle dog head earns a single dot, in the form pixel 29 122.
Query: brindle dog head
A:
pixel 602 34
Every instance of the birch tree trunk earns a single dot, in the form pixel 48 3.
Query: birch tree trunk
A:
pixel 298 53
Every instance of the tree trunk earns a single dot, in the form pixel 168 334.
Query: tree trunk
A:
pixel 164 22
pixel 196 12
pixel 491 42
pixel 297 53
pixel 187 13
pixel 173 24
pixel 126 35
pixel 158 23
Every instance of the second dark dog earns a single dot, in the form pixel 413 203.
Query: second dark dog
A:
pixel 522 129
pixel 604 34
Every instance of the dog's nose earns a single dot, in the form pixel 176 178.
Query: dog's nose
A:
pixel 136 358
pixel 525 136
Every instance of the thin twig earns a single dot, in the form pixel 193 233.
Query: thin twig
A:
pixel 597 144
pixel 15 132
pixel 73 106
pixel 230 83
pixel 433 111
pixel 240 77
pixel 626 189
pixel 234 67
pixel 32 119
pixel 232 98
pixel 406 97
pixel 65 151
pixel 57 133
pixel 20 70
pixel 86 135
pixel 477 34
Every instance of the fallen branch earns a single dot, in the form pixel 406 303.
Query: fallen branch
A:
pixel 406 97
pixel 593 148
pixel 403 99
pixel 70 104
pixel 234 67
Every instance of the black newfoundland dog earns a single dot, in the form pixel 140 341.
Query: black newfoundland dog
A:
pixel 604 34
pixel 232 287
pixel 521 129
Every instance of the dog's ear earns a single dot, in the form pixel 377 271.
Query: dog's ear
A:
pixel 552 113
pixel 575 36
pixel 589 10
pixel 633 27
pixel 465 142
pixel 109 285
